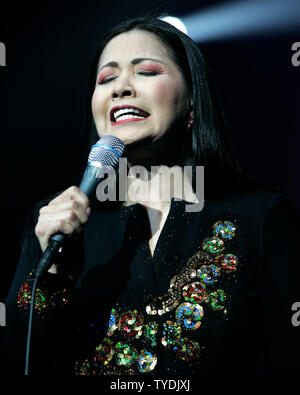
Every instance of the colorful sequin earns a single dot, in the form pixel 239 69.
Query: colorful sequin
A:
pixel 209 274
pixel 113 322
pixel 87 368
pixel 194 292
pixel 224 229
pixel 24 298
pixel 104 352
pixel 213 245
pixel 125 354
pixel 216 299
pixel 227 262
pixel 171 333
pixel 187 349
pixel 131 324
pixel 189 315
pixel 146 362
pixel 151 330
pixel 163 304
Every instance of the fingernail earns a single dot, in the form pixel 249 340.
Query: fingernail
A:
pixel 88 211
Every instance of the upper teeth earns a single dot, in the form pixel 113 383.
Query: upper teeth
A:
pixel 117 114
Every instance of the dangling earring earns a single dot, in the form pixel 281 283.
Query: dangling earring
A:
pixel 190 123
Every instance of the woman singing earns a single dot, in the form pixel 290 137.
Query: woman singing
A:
pixel 145 286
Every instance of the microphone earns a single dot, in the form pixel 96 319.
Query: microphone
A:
pixel 105 153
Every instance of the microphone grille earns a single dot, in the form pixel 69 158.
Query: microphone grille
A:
pixel 107 151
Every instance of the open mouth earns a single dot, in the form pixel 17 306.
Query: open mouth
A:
pixel 127 113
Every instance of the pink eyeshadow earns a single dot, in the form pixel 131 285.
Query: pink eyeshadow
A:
pixel 152 67
pixel 104 75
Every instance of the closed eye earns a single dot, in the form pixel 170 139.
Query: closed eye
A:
pixel 105 80
pixel 143 72
pixel 148 73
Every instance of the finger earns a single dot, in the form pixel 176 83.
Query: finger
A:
pixel 72 193
pixel 66 209
pixel 54 219
pixel 45 230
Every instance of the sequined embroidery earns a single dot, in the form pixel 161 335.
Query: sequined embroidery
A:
pixel 131 324
pixel 113 322
pixel 146 362
pixel 194 292
pixel 45 301
pixel 190 293
pixel 24 299
pixel 104 352
pixel 86 368
pixel 224 229
pixel 208 274
pixel 187 349
pixel 163 304
pixel 227 262
pixel 216 299
pixel 171 333
pixel 189 315
pixel 125 354
pixel 213 245
pixel 151 330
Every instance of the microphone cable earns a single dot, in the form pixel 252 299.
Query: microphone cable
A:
pixel 44 264
pixel 30 325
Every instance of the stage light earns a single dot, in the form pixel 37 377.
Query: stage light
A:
pixel 237 19
pixel 175 22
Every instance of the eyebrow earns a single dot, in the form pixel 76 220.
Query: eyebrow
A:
pixel 134 61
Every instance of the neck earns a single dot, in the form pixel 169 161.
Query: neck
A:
pixel 157 187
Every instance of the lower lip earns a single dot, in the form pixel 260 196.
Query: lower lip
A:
pixel 128 120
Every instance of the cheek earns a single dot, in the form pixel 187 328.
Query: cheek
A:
pixel 94 103
pixel 95 106
pixel 167 96
pixel 161 93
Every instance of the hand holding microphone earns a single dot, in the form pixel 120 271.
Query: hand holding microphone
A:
pixel 69 211
pixel 64 214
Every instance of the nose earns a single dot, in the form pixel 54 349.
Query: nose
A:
pixel 122 87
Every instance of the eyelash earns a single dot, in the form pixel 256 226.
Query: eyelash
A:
pixel 145 73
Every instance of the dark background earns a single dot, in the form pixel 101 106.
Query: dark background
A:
pixel 49 46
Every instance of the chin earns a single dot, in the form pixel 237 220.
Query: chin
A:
pixel 129 137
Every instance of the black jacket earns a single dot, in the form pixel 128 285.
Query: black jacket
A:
pixel 191 309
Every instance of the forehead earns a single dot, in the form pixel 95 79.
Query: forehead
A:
pixel 134 44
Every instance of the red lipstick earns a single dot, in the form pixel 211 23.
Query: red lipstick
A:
pixel 128 120
pixel 141 112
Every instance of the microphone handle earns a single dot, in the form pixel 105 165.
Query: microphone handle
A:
pixel 45 261
pixel 91 178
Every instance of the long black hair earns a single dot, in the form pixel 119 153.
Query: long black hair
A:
pixel 207 143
